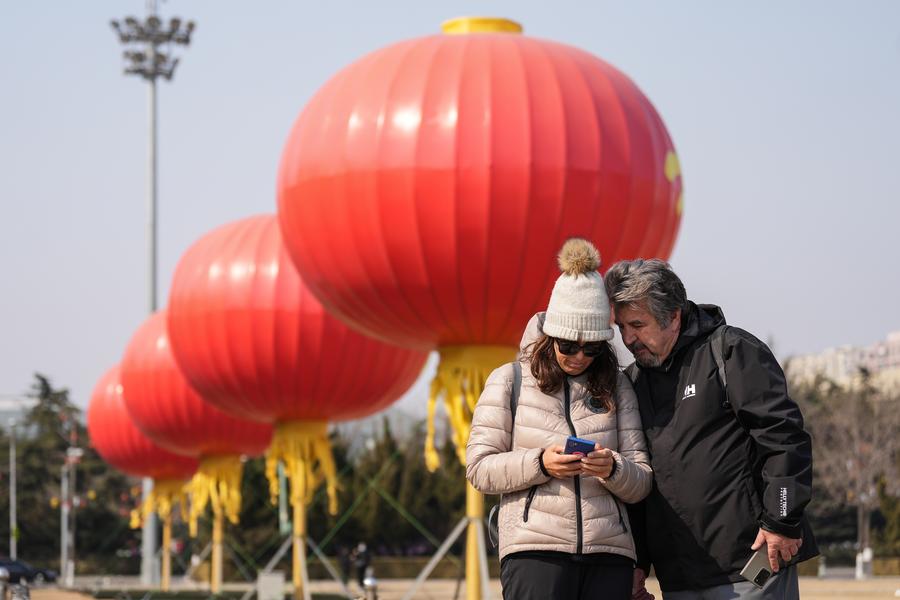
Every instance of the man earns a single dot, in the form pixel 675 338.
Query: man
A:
pixel 732 463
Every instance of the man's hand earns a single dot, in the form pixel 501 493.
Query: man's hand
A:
pixel 559 465
pixel 639 587
pixel 778 545
pixel 598 463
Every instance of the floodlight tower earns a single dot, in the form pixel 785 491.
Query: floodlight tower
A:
pixel 148 54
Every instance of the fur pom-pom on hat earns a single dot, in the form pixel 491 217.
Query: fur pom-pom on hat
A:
pixel 579 308
pixel 578 256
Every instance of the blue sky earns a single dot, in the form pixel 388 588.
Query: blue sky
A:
pixel 786 118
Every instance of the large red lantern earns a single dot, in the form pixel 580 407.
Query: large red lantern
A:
pixel 425 189
pixel 255 342
pixel 172 414
pixel 121 444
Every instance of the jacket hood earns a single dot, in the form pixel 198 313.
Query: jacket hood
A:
pixel 697 320
pixel 702 319
pixel 533 331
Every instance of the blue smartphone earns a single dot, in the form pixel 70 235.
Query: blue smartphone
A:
pixel 576 445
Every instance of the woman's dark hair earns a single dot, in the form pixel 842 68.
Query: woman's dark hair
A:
pixel 602 373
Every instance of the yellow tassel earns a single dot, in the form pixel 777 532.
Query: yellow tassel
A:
pixel 460 380
pixel 165 496
pixel 217 483
pixel 305 451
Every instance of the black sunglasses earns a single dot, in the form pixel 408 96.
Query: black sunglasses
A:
pixel 569 348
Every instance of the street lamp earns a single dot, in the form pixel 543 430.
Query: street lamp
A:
pixel 148 54
pixel 15 404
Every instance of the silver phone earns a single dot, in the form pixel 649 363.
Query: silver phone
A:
pixel 758 570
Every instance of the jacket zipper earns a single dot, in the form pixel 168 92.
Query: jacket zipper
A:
pixel 528 503
pixel 578 517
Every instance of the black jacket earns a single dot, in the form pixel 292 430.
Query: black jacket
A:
pixel 723 467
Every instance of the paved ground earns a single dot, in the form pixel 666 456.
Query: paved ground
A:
pixel 810 589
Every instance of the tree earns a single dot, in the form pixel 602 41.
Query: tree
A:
pixel 856 442
pixel 46 431
pixel 888 540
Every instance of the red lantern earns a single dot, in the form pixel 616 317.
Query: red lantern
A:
pixel 171 413
pixel 425 189
pixel 255 342
pixel 120 443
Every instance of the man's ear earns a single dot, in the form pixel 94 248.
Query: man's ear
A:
pixel 676 319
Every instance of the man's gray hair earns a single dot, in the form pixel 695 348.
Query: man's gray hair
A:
pixel 651 283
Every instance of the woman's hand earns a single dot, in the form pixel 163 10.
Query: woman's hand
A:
pixel 599 463
pixel 559 465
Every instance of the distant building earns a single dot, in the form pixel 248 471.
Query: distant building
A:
pixel 842 365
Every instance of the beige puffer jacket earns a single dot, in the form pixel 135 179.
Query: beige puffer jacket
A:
pixel 578 515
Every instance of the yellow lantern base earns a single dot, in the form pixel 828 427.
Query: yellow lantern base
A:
pixel 305 451
pixel 166 494
pixel 459 381
pixel 218 484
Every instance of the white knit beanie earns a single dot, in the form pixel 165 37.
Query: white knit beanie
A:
pixel 579 308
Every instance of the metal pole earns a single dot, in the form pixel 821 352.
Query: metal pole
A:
pixel 151 198
pixel 148 540
pixel 64 522
pixel 483 564
pixel 300 577
pixel 73 493
pixel 149 571
pixel 166 552
pixel 13 525
pixel 475 513
pixel 445 547
pixel 153 60
pixel 215 581
pixel 284 524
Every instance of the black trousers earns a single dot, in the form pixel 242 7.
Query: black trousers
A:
pixel 564 577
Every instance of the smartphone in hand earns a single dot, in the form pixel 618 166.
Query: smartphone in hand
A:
pixel 575 445
pixel 758 570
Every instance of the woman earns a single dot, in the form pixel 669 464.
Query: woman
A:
pixel 563 530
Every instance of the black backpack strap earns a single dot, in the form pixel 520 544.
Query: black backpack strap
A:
pixel 717 344
pixel 493 527
pixel 514 395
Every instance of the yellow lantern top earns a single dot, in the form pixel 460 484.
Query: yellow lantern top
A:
pixel 463 25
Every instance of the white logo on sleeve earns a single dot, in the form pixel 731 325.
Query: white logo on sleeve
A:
pixel 783 502
pixel 690 391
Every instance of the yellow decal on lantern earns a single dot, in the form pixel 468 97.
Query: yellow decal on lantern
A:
pixel 673 172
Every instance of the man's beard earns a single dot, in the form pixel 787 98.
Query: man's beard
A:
pixel 648 359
